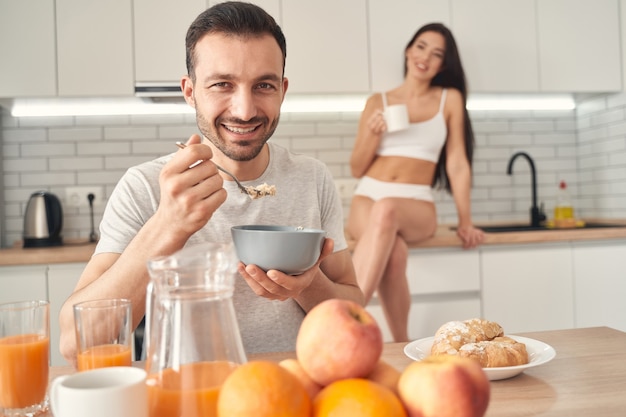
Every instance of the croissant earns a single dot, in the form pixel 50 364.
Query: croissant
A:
pixel 481 340
pixel 501 351
pixel 452 335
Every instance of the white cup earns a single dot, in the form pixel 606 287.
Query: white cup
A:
pixel 396 117
pixel 118 391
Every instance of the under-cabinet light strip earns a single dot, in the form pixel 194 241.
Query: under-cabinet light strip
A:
pixel 292 104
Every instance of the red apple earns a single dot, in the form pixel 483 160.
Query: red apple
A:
pixel 444 386
pixel 293 366
pixel 338 339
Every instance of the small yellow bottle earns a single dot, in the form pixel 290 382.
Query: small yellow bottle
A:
pixel 563 209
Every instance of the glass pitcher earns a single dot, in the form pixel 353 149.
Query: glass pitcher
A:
pixel 192 336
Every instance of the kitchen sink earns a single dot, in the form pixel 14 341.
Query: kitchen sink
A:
pixel 508 228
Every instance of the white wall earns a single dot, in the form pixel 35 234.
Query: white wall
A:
pixel 587 148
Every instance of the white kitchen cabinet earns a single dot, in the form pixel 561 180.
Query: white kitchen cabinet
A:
pixel 497 40
pixel 94 48
pixel 579 45
pixel 327 49
pixel 62 279
pixel 392 24
pixel 27 48
pixel 444 286
pixel 160 27
pixel 600 284
pixel 529 287
pixel 23 283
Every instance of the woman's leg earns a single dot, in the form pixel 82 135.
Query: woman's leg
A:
pixel 380 255
pixel 375 237
pixel 394 294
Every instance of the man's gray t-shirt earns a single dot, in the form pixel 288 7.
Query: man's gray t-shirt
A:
pixel 305 196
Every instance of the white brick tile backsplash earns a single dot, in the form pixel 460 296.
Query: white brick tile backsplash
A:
pixel 45 121
pixel 24 135
pixel 532 126
pixel 104 148
pixel 47 149
pixel 123 162
pixel 155 120
pixel 101 120
pixel 74 134
pixel 293 129
pixel 108 177
pixel 24 165
pixel 11 180
pixel 592 105
pixel 47 179
pixel 336 129
pixel 316 143
pixel 130 132
pixel 76 163
pixel 175 133
pixel 616 129
pixel 610 116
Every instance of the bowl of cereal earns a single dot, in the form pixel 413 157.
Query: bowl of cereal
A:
pixel 289 249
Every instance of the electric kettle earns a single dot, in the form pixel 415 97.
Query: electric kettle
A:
pixel 43 221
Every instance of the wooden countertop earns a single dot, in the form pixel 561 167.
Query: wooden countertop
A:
pixel 71 251
pixel 446 237
pixel 587 377
pixel 81 251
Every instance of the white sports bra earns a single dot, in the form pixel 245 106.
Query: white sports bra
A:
pixel 423 140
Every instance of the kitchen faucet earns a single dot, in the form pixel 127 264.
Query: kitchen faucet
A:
pixel 536 215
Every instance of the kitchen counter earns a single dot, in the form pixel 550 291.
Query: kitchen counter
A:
pixel 587 377
pixel 81 251
pixel 72 251
pixel 446 237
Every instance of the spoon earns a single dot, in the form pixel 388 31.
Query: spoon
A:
pixel 254 192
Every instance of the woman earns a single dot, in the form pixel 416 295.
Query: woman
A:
pixel 393 203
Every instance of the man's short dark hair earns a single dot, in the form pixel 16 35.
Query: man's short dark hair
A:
pixel 233 18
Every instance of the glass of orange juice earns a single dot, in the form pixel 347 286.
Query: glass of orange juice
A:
pixel 103 335
pixel 24 357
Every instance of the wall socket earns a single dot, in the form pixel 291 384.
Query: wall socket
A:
pixel 77 196
pixel 346 186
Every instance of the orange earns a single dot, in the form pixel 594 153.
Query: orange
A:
pixel 263 389
pixel 357 397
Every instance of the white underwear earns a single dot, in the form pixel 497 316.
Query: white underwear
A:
pixel 376 190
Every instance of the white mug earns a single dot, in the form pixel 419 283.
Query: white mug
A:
pixel 104 392
pixel 396 117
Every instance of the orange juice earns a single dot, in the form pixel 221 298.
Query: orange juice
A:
pixel 190 391
pixel 104 355
pixel 23 370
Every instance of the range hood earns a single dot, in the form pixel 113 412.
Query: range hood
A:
pixel 159 91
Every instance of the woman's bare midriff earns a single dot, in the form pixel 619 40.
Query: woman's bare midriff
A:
pixel 402 170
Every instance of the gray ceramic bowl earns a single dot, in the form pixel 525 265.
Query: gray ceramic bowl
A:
pixel 291 250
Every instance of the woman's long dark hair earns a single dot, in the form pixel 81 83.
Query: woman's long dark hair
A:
pixel 452 75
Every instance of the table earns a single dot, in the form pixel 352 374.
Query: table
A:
pixel 587 377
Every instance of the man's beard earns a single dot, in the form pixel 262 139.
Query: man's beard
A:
pixel 244 150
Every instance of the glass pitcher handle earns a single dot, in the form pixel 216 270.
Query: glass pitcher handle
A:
pixel 148 319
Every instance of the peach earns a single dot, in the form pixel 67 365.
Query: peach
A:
pixel 293 366
pixel 386 375
pixel 444 386
pixel 338 339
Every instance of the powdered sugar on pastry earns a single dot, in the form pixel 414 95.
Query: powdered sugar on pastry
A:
pixel 452 335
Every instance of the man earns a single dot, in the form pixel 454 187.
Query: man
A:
pixel 235 61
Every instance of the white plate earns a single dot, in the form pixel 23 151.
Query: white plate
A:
pixel 538 354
